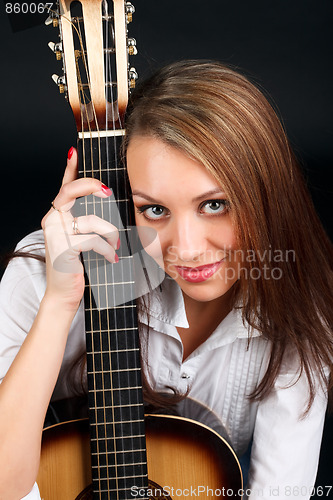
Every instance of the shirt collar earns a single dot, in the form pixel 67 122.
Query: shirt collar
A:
pixel 166 304
pixel 166 309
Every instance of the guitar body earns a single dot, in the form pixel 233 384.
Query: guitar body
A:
pixel 185 458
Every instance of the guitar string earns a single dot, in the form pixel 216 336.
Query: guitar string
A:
pixel 89 266
pixel 85 109
pixel 81 92
pixel 137 374
pixel 88 263
pixel 130 269
pixel 125 317
pixel 98 287
pixel 109 71
pixel 107 288
pixel 133 321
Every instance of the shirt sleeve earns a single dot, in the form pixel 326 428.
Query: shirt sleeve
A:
pixel 33 495
pixel 21 290
pixel 286 441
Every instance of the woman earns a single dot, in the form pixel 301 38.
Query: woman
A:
pixel 242 320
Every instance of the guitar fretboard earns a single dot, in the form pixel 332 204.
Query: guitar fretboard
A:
pixel 118 446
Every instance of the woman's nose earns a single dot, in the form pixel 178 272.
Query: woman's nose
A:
pixel 188 239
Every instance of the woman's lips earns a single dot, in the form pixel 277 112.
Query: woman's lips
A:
pixel 198 274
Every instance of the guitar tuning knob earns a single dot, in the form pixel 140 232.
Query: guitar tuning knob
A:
pixel 61 82
pixel 133 76
pixel 53 19
pixel 132 50
pixel 129 9
pixel 56 48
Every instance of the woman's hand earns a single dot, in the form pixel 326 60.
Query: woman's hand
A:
pixel 66 237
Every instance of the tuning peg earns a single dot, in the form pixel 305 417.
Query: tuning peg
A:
pixel 52 19
pixel 133 76
pixel 61 82
pixel 132 50
pixel 130 9
pixel 56 48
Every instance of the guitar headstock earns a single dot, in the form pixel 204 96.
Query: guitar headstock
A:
pixel 94 48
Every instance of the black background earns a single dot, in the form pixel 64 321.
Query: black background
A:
pixel 285 46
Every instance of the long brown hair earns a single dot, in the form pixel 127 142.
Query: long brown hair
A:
pixel 219 118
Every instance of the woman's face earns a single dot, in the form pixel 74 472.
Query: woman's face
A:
pixel 181 200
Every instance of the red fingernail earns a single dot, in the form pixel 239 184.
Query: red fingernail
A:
pixel 70 153
pixel 118 244
pixel 116 258
pixel 106 190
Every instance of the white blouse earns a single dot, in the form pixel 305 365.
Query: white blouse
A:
pixel 220 373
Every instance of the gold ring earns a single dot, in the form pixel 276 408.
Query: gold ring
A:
pixel 75 226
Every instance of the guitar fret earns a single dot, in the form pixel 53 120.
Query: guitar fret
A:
pixel 115 371
pixel 109 200
pixel 101 259
pixel 117 406
pixel 96 170
pixel 117 422
pixel 119 229
pixel 122 465
pixel 95 391
pixel 117 389
pixel 133 306
pixel 137 450
pixel 124 477
pixel 112 330
pixel 113 351
pixel 113 283
pixel 116 437
pixel 97 309
pixel 108 407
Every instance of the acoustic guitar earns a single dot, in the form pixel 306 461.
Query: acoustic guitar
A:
pixel 111 454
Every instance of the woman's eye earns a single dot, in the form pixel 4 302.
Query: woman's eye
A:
pixel 152 212
pixel 215 207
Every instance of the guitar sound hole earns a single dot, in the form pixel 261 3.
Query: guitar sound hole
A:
pixel 157 492
pixel 86 494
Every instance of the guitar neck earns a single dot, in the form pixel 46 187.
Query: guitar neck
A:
pixel 118 447
pixel 95 51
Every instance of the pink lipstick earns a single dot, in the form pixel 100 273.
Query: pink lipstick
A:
pixel 198 274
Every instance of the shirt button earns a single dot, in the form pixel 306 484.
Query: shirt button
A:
pixel 185 375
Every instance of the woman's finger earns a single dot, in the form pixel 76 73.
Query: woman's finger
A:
pixel 64 253
pixel 68 193
pixel 71 168
pixel 84 243
pixel 93 224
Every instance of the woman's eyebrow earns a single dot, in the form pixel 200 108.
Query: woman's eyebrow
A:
pixel 206 194
pixel 143 195
pixel 209 193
